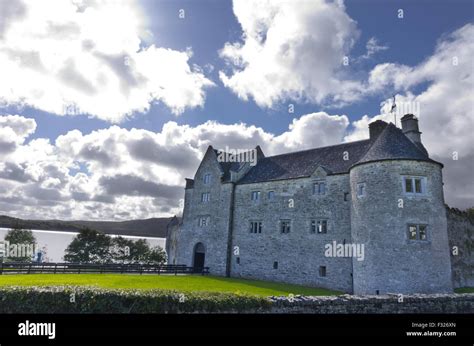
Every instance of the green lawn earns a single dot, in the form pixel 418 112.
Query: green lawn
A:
pixel 184 283
pixel 464 290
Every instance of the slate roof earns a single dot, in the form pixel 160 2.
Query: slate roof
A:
pixel 303 163
pixel 390 144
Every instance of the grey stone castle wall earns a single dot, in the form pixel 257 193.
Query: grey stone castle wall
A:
pixel 299 253
pixel 461 242
pixel 214 236
pixel 394 264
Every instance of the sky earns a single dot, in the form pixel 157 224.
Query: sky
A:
pixel 106 106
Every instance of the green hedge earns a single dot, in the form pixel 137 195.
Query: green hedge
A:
pixel 99 300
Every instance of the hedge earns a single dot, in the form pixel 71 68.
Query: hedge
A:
pixel 84 299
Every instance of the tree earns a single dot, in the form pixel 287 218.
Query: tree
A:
pixel 21 245
pixel 470 213
pixel 89 246
pixel 139 251
pixel 120 250
pixel 156 255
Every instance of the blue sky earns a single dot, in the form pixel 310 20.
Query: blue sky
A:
pixel 210 23
pixel 75 62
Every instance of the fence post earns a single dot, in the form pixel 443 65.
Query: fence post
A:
pixel 55 267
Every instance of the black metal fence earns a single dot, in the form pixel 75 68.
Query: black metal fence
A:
pixel 84 268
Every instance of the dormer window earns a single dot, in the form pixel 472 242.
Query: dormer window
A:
pixel 319 188
pixel 207 179
pixel 414 185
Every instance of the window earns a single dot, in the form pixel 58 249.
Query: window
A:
pixel 207 179
pixel 255 226
pixel 271 195
pixel 346 196
pixel 275 265
pixel 205 197
pixel 204 221
pixel 237 260
pixel 285 226
pixel 319 226
pixel 322 271
pixel 361 190
pixel 255 195
pixel 417 232
pixel 414 185
pixel 319 188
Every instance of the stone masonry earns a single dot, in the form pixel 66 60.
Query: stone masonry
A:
pixel 283 218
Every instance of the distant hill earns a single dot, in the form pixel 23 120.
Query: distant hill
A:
pixel 155 227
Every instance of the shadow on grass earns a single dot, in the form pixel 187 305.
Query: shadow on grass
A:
pixel 283 287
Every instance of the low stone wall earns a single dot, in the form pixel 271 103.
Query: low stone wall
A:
pixel 386 304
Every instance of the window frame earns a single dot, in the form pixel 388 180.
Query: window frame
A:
pixel 413 183
pixel 206 179
pixel 319 191
pixel 256 193
pixel 315 223
pixel 323 271
pixel 417 232
pixel 256 226
pixel 207 222
pixel 207 199
pixel 362 185
pixel 285 229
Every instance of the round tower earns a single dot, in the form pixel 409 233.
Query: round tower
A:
pixel 398 215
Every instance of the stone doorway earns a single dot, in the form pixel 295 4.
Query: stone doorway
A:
pixel 199 257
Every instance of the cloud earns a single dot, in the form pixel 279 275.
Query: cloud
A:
pixel 445 107
pixel 89 58
pixel 116 173
pixel 13 131
pixel 373 47
pixel 291 50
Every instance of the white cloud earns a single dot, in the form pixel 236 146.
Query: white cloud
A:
pixel 88 57
pixel 373 47
pixel 116 173
pixel 445 107
pixel 291 50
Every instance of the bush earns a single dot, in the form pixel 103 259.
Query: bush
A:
pixel 80 299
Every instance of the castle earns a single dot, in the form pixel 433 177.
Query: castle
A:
pixel 364 217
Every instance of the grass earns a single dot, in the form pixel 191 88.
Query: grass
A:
pixel 182 283
pixel 464 290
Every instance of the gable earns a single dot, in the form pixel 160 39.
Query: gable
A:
pixel 320 172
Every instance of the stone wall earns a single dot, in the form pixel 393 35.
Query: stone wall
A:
pixel 461 242
pixel 213 236
pixel 394 263
pixel 385 304
pixel 299 253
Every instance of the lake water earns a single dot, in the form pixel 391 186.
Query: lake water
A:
pixel 56 242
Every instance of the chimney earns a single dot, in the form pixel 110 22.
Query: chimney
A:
pixel 376 128
pixel 410 128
